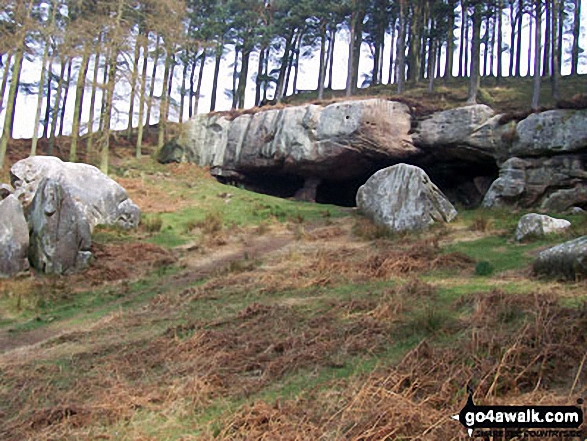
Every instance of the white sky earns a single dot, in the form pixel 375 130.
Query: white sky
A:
pixel 26 105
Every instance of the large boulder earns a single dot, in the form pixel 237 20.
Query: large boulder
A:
pixel 100 199
pixel 550 183
pixel 60 236
pixel 337 142
pixel 452 127
pixel 14 238
pixel 535 225
pixel 565 261
pixel 403 197
pixel 552 132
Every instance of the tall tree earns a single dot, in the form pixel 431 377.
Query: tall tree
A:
pixel 475 53
pixel 400 48
pixel 537 55
pixel 576 50
pixel 46 35
pixel 22 18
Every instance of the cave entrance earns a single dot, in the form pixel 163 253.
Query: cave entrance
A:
pixel 463 182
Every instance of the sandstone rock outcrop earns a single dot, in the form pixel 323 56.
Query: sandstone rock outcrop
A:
pixel 14 238
pixel 540 159
pixel 565 261
pixel 339 141
pixel 402 198
pixel 535 225
pixel 60 237
pixel 101 200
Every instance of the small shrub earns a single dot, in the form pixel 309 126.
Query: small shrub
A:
pixel 262 228
pixel 482 224
pixel 191 225
pixel 212 224
pixel 363 228
pixel 152 224
pixel 484 268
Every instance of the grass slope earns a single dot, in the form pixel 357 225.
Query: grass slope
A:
pixel 233 315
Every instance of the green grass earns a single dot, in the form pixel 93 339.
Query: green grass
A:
pixel 243 209
pixel 511 94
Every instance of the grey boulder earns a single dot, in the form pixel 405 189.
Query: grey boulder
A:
pixel 340 141
pixel 535 225
pixel 565 261
pixel 14 238
pixel 101 200
pixel 403 197
pixel 5 191
pixel 551 132
pixel 60 237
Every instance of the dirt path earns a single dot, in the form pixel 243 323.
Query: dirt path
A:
pixel 196 268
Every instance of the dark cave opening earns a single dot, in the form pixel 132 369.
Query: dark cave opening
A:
pixel 463 182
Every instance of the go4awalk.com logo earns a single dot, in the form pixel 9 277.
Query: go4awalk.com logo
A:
pixel 521 421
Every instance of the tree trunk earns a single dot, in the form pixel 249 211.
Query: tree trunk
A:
pixel 244 74
pixel 464 31
pixel 475 56
pixel 356 38
pixel 105 86
pixel 11 104
pixel 7 64
pixel 561 30
pixel 530 34
pixel 575 50
pixel 349 78
pixel 79 97
pixel 169 88
pixel 65 97
pixel 520 20
pixel 555 63
pixel 283 67
pixel 514 23
pixel 401 49
pixel 290 62
pixel 199 85
pixel 431 65
pixel 537 57
pixel 259 82
pixel 414 49
pixel 13 90
pixel 219 50
pixel 133 86
pixel 107 110
pixel 297 65
pixel 90 142
pixel 376 60
pixel 489 47
pixel 192 82
pixel 40 97
pixel 56 109
pixel 142 97
pixel 499 72
pixel 331 57
pixel 450 42
pixel 235 77
pixel 110 84
pixel 547 39
pixel 391 53
pixel 322 67
pixel 153 78
pixel 163 106
pixel 49 106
